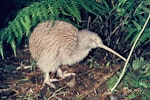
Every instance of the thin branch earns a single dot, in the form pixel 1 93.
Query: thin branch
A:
pixel 131 51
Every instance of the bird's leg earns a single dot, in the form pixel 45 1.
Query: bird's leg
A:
pixel 49 81
pixel 63 74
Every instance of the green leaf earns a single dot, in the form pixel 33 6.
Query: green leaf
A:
pixel 137 25
pixel 73 10
pixel 44 11
pixel 1 50
pixel 9 35
pixel 13 45
pixel 14 30
pixel 19 28
pixel 111 82
pixel 145 36
pixel 105 4
pixel 87 8
pixel 132 96
pixel 129 35
pixel 107 64
pixel 76 12
pixel 24 80
pixel 146 9
pixel 26 22
pixel 144 82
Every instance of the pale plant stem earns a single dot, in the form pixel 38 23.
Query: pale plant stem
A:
pixel 129 56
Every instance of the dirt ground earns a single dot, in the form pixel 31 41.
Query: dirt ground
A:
pixel 20 79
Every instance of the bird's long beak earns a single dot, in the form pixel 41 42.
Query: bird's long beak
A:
pixel 112 51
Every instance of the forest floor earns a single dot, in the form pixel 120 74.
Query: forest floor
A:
pixel 20 80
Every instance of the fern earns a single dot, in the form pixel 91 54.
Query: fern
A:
pixel 1 50
pixel 139 72
pixel 135 24
pixel 41 11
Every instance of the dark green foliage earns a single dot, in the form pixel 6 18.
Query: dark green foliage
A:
pixel 122 23
pixel 137 77
pixel 136 22
pixel 136 16
pixel 140 73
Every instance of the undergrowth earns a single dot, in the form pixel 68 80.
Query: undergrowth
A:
pixel 136 79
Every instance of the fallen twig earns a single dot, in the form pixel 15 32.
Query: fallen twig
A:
pixel 101 81
pixel 56 93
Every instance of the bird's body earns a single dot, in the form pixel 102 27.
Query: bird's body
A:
pixel 55 46
pixel 61 44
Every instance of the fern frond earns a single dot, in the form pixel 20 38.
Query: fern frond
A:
pixel 26 22
pixel 1 50
pixel 13 45
pixel 86 7
pixel 19 28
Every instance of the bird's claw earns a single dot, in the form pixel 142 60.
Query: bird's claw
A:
pixel 49 82
pixel 64 75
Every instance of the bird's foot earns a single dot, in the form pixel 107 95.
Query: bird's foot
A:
pixel 63 74
pixel 49 82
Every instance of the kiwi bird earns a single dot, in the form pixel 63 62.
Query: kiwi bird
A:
pixel 61 44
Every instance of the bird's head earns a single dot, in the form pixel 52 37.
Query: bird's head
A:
pixel 96 41
pixel 91 39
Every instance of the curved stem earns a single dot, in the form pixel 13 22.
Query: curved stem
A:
pixel 131 51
